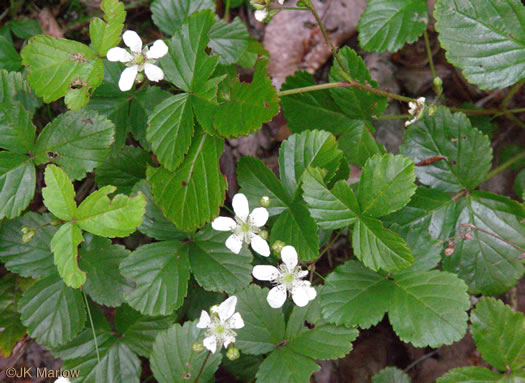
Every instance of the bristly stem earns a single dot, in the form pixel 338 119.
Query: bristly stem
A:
pixel 92 325
pixel 202 367
pixel 227 11
pixel 429 54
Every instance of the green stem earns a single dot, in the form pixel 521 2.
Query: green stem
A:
pixel 504 166
pixel 429 54
pixel 313 88
pixel 92 325
pixel 291 8
pixel 393 117
pixel 227 11
pixel 202 368
pixel 511 94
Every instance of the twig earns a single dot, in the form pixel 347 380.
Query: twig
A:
pixel 202 368
pixel 426 356
pixel 511 93
pixel 475 228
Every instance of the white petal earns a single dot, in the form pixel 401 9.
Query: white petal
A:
pixel 289 257
pixel 235 322
pixel 300 294
pixel 133 41
pixel 127 78
pixel 210 343
pixel 260 15
pixel 265 272
pixel 234 243
pixel 223 224
pixel 312 293
pixel 227 308
pixel 276 296
pixel 153 72
pixel 240 206
pixel 157 50
pixel 228 339
pixel 302 273
pixel 259 245
pixel 281 2
pixel 62 380
pixel 204 320
pixel 119 54
pixel 421 100
pixel 259 217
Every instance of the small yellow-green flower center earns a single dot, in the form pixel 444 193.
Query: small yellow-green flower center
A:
pixel 288 278
pixel 219 329
pixel 140 59
pixel 245 228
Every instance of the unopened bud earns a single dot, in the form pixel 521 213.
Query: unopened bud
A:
pixel 265 201
pixel 27 237
pixel 55 222
pixel 451 248
pixel 438 83
pixel 431 109
pixel 233 353
pixel 197 347
pixel 263 234
pixel 140 77
pixel 25 229
pixel 260 4
pixel 278 246
pixel 467 236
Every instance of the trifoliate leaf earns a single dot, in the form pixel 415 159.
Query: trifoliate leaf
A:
pixel 161 272
pixel 248 106
pixel 170 129
pixel 386 25
pixel 124 169
pixel 172 359
pixel 57 323
pixel 357 104
pixel 64 246
pixel 263 326
pixel 59 195
pixel 17 183
pixel 484 38
pixel 391 374
pixel 472 375
pixel 215 267
pixel 428 308
pixel 57 67
pixel 191 195
pixel 118 217
pixel 312 110
pixel 380 248
pixel 499 333
pixel 168 15
pixel 77 141
pixel 386 184
pixel 488 264
pixel 12 328
pixel 228 41
pixel 355 296
pixel 17 132
pixel 105 34
pixel 313 148
pixel 286 366
pixel 29 259
pixel 358 144
pixel 332 209
pixel 466 151
pixel 100 259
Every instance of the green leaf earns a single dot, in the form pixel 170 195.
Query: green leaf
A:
pixel 57 323
pixel 228 41
pixel 386 184
pixel 386 25
pixel 170 129
pixel 380 248
pixel 499 333
pixel 105 34
pixel 191 195
pixel 168 15
pixel 57 67
pixel 467 151
pixel 285 366
pixel 215 267
pixel 118 217
pixel 9 57
pixel 77 141
pixel 519 184
pixel 161 272
pixel 485 39
pixel 187 65
pixel 313 148
pixel 173 360
pixel 263 326
pixel 428 308
pixel 248 106
pixel 100 259
pixel 357 104
pixel 124 169
pixel 425 250
pixel 355 296
pixel 391 374
pixel 489 265
pixel 24 28
pixel 64 246
pixel 358 144
pixel 471 375
pixel 34 258
pixel 17 183
pixel 59 195
pixel 13 86
pixel 12 328
pixel 332 209
pixel 296 227
pixel 17 132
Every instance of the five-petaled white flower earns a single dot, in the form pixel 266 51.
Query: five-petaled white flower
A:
pixel 416 110
pixel 288 277
pixel 138 59
pixel 246 226
pixel 220 325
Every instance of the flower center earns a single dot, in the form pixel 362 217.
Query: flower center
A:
pixel 288 278
pixel 140 59
pixel 245 228
pixel 219 329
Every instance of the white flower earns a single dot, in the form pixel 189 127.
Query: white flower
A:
pixel 261 14
pixel 281 2
pixel 62 380
pixel 245 227
pixel 220 324
pixel 288 277
pixel 138 59
pixel 416 110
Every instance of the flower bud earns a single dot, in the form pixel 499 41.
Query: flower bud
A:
pixel 278 246
pixel 140 77
pixel 197 347
pixel 233 353
pixel 27 237
pixel 263 234
pixel 432 109
pixel 55 222
pixel 25 229
pixel 260 4
pixel 265 201
pixel 438 83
